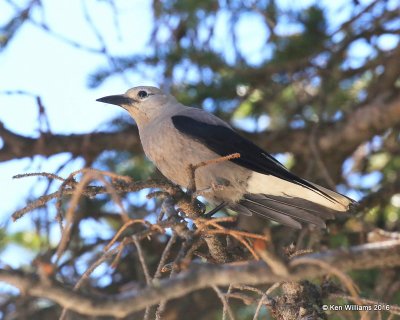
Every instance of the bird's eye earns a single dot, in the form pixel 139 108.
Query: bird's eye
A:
pixel 142 94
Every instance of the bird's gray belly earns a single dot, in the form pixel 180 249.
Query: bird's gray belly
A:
pixel 173 152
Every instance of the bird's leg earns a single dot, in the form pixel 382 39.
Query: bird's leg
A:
pixel 215 210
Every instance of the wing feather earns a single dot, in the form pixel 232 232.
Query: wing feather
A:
pixel 278 205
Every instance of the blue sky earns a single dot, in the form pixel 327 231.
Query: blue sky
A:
pixel 43 65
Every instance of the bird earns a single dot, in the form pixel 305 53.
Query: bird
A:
pixel 175 136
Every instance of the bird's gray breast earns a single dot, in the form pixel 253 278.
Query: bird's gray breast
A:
pixel 172 152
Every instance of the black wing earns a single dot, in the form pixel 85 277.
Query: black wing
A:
pixel 224 141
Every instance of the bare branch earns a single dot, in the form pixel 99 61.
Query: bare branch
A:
pixel 141 259
pixel 375 255
pixel 342 137
pixel 88 145
pixel 91 191
pixel 224 301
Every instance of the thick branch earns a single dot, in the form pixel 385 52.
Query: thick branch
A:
pixel 375 255
pixel 88 145
pixel 340 138
pixel 380 197
pixel 361 125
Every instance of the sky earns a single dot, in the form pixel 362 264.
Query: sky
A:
pixel 42 64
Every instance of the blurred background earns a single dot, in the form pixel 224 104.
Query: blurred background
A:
pixel 316 83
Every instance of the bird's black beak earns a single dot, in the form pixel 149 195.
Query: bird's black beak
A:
pixel 118 100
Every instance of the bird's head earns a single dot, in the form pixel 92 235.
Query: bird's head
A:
pixel 144 103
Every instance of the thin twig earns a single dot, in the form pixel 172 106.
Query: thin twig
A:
pixel 39 174
pixel 112 175
pixel 264 297
pixel 239 235
pixel 162 305
pixel 141 259
pixel 122 229
pixel 246 299
pixel 104 257
pixel 320 162
pixel 69 217
pixel 165 255
pixel 120 249
pixel 145 270
pixel 226 296
pixel 193 167
pixel 120 184
pixel 226 307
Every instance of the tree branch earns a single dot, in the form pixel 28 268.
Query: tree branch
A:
pixel 341 137
pixel 88 145
pixel 374 255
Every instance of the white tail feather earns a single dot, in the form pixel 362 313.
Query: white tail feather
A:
pixel 270 185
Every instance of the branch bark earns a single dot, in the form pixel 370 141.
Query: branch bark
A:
pixel 340 138
pixel 374 255
pixel 88 145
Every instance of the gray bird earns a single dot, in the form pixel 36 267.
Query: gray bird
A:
pixel 174 136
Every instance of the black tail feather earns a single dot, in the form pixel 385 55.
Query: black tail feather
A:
pixel 289 211
pixel 297 214
pixel 250 208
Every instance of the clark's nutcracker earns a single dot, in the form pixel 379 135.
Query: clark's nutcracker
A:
pixel 174 136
